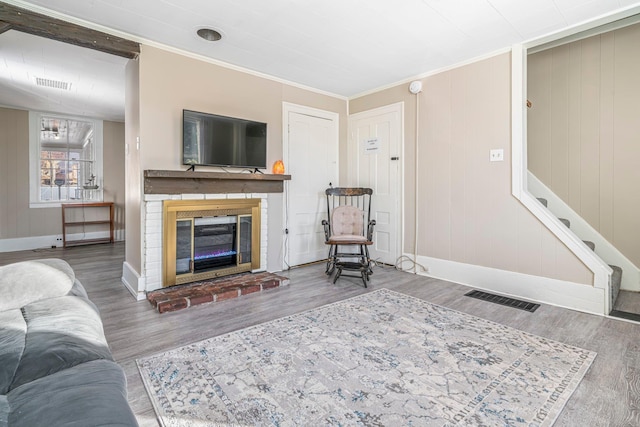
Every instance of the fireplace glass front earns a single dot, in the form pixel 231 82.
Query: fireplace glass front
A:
pixel 214 242
pixel 183 246
pixel 245 239
pixel 210 243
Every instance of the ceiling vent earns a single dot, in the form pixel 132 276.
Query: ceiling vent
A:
pixel 55 84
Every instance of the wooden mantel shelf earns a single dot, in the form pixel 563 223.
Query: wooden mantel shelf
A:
pixel 190 182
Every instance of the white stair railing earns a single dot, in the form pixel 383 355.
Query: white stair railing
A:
pixel 581 228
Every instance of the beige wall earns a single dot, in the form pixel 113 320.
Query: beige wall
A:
pixel 113 165
pixel 583 131
pixel 170 83
pixel 133 194
pixel 466 212
pixel 17 220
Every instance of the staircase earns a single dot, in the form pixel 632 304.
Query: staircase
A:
pixel 616 276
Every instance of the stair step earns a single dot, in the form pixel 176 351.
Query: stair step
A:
pixel 543 201
pixel 565 221
pixel 616 281
pixel 591 245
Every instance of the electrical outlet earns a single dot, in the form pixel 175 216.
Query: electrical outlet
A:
pixel 496 155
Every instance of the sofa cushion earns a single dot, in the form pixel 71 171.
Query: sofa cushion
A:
pixel 13 329
pixel 4 411
pixel 90 394
pixel 78 290
pixel 61 332
pixel 25 282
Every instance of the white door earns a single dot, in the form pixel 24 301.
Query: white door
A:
pixel 375 149
pixel 311 153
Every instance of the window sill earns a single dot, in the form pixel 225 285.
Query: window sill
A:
pixel 58 204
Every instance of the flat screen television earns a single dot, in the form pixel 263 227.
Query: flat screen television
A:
pixel 212 140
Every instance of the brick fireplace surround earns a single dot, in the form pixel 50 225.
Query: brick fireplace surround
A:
pixel 161 185
pixel 154 223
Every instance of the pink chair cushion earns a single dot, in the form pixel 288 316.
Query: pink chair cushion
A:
pixel 348 239
pixel 347 220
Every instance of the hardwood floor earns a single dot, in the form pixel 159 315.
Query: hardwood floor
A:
pixel 609 395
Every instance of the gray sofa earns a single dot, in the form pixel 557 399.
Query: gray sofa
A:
pixel 56 368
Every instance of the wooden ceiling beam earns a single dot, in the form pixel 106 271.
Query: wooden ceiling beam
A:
pixel 4 26
pixel 26 21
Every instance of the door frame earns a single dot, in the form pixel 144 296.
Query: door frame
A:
pixel 287 108
pixel 397 107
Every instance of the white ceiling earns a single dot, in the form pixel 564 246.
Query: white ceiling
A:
pixel 344 47
pixel 96 78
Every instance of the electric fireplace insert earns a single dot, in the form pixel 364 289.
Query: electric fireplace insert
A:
pixel 204 243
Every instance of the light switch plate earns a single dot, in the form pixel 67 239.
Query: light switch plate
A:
pixel 496 155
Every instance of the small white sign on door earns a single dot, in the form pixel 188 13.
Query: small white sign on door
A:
pixel 371 145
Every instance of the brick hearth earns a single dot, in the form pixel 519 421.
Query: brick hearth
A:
pixel 183 296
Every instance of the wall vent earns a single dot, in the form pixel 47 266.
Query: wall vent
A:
pixel 55 84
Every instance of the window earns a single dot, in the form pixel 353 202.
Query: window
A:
pixel 66 159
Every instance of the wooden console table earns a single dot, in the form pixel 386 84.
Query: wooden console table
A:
pixel 70 220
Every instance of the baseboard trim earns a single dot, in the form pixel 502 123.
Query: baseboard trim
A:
pixel 29 243
pixel 555 292
pixel 47 242
pixel 134 283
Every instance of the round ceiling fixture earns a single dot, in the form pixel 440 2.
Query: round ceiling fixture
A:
pixel 209 34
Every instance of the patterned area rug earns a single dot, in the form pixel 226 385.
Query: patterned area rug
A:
pixel 379 359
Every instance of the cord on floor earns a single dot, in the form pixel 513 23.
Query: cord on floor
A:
pixel 414 265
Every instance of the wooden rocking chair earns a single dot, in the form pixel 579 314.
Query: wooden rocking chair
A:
pixel 348 231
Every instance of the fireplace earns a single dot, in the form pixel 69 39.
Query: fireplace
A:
pixel 204 239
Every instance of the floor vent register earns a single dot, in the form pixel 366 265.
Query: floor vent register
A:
pixel 509 302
